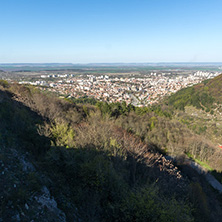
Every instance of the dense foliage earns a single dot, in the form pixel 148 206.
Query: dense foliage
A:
pixel 104 162
pixel 202 96
pixel 200 99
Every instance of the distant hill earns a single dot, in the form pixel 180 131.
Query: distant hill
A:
pixel 202 96
pixel 125 66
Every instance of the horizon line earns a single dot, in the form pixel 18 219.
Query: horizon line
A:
pixel 88 63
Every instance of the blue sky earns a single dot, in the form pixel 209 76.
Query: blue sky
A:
pixel 95 31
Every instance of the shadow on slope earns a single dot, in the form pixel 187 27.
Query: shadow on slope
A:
pixel 88 184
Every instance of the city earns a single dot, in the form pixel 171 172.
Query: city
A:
pixel 140 91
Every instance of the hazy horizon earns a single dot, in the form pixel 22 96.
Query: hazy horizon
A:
pixel 114 63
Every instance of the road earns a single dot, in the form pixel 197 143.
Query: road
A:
pixel 202 171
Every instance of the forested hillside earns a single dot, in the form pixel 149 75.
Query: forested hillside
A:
pixel 202 96
pixel 200 108
pixel 67 161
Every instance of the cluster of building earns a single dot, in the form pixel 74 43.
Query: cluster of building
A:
pixel 207 75
pixel 147 89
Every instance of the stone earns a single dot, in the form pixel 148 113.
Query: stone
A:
pixel 26 206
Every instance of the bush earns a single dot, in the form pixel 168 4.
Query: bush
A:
pixel 146 205
pixel 4 83
pixel 198 198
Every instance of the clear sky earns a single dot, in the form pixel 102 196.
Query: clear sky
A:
pixel 95 31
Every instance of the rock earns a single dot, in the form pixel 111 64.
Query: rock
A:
pixel 26 165
pixel 16 218
pixel 45 191
pixel 48 204
pixel 26 206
